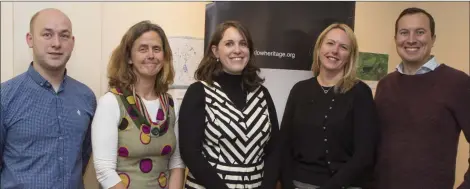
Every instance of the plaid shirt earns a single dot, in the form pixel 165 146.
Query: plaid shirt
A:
pixel 44 135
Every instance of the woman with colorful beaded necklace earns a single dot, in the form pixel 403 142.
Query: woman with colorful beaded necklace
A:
pixel 134 131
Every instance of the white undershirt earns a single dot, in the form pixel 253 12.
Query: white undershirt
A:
pixel 104 136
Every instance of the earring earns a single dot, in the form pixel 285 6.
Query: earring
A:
pixel 217 59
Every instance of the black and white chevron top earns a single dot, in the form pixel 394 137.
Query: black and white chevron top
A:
pixel 228 147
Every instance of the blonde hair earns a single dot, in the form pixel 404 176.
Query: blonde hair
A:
pixel 120 73
pixel 349 78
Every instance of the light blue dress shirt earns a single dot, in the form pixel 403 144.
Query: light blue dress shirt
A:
pixel 430 65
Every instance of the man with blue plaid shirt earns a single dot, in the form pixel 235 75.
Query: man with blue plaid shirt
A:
pixel 46 114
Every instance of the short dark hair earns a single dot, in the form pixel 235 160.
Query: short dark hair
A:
pixel 210 67
pixel 415 10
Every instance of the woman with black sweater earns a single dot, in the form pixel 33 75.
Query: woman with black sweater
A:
pixel 329 127
pixel 228 123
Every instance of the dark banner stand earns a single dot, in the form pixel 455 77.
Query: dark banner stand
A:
pixel 283 33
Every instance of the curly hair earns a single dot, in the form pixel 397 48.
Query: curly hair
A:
pixel 120 73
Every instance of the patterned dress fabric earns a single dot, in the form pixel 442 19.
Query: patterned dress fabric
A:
pixel 144 147
pixel 235 139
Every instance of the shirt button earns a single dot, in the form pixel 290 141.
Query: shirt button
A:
pixel 60 117
pixel 326 116
pixel 329 163
pixel 324 128
pixel 330 107
pixel 60 158
pixel 61 138
pixel 326 151
pixel 326 139
pixel 332 100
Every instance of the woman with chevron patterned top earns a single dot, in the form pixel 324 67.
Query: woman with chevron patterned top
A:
pixel 135 128
pixel 228 121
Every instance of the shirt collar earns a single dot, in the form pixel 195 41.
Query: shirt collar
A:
pixel 430 65
pixel 39 79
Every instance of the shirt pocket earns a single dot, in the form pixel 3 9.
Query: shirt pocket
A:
pixel 77 120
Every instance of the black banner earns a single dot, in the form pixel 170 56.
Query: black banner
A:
pixel 283 33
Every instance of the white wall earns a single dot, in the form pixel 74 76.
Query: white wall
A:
pixel 97 32
pixel 86 56
pixel 182 23
pixel 100 29
pixel 7 41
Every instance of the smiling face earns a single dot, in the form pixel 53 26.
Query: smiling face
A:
pixel 232 51
pixel 147 57
pixel 51 39
pixel 413 39
pixel 335 51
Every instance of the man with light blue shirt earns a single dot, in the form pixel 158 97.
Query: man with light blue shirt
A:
pixel 46 114
pixel 430 65
pixel 422 106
